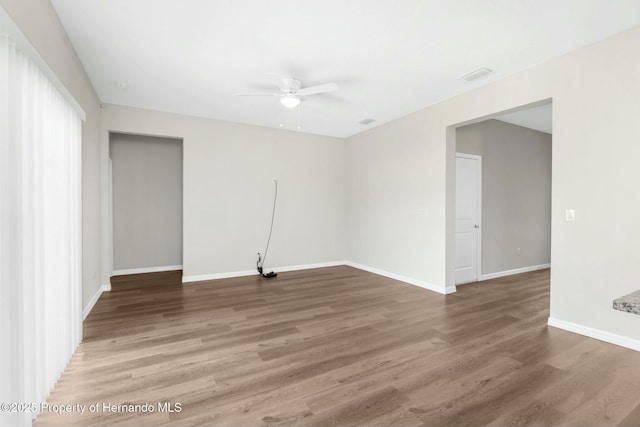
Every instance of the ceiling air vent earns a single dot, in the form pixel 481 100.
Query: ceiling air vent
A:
pixel 476 74
pixel 366 121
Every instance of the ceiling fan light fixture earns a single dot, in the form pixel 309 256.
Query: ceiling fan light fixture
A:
pixel 290 101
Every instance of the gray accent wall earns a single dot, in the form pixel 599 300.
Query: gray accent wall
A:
pixel 516 193
pixel 147 201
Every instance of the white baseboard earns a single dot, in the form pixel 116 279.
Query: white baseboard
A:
pixel 94 300
pixel 215 276
pixel 146 270
pixel 425 285
pixel 514 271
pixel 595 333
pixel 308 266
pixel 420 283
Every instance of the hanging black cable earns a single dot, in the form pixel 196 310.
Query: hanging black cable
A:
pixel 260 263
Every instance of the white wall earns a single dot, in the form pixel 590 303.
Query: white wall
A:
pixel 516 193
pixel 147 202
pixel 401 175
pixel 395 201
pixel 38 21
pixel 228 191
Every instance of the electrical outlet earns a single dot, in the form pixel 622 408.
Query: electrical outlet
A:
pixel 518 251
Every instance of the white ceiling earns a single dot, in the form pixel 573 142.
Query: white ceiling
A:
pixel 536 118
pixel 389 57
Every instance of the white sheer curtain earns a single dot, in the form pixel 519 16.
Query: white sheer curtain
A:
pixel 40 232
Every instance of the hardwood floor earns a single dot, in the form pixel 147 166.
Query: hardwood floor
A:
pixel 340 347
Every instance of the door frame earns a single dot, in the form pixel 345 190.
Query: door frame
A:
pixel 479 195
pixel 110 210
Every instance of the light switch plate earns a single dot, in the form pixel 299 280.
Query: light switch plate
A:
pixel 570 215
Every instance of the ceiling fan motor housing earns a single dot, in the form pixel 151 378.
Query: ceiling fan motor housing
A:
pixel 292 84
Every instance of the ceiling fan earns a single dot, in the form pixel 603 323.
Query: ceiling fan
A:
pixel 291 91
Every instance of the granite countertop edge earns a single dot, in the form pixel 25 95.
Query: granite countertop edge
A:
pixel 628 303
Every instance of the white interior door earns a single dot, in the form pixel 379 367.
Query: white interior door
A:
pixel 468 202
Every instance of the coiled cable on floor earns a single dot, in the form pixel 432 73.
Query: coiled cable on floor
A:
pixel 260 263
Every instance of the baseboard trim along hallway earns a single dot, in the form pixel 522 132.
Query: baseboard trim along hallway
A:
pixel 497 274
pixel 414 282
pixel 146 270
pixel 595 333
pixel 94 300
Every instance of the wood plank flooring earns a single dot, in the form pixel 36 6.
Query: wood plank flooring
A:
pixel 340 347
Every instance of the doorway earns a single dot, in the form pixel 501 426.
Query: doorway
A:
pixel 513 228
pixel 146 203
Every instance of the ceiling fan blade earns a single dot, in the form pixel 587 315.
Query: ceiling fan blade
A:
pixel 312 90
pixel 259 94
